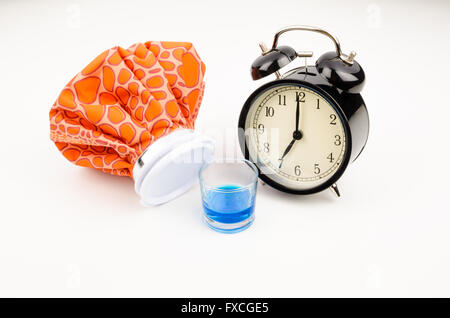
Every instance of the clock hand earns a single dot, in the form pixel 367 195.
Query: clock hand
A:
pixel 297 135
pixel 297 112
pixel 286 152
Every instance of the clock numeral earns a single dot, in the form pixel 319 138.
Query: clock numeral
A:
pixel 266 147
pixel 270 111
pixel 318 104
pixel 330 157
pixel 300 96
pixel 337 140
pixel 333 119
pixel 282 100
pixel 261 129
pixel 297 170
pixel 316 168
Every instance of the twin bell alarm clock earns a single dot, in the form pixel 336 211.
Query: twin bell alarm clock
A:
pixel 303 128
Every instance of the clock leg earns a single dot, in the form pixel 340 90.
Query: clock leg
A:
pixel 334 188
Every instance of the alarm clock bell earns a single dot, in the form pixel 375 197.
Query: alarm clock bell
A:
pixel 271 61
pixel 340 70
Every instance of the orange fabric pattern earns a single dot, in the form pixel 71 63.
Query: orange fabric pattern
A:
pixel 124 100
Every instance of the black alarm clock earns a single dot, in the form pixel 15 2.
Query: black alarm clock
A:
pixel 302 129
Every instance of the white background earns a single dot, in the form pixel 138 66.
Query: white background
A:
pixel 72 231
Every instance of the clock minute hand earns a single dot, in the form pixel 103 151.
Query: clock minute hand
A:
pixel 297 112
pixel 297 135
pixel 286 152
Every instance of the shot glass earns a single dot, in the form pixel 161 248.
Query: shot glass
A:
pixel 228 191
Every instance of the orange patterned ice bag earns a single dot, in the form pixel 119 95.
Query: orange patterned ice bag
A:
pixel 120 114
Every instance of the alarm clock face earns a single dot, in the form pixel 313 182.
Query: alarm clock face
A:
pixel 296 135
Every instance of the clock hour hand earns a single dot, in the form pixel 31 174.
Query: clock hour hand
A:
pixel 286 152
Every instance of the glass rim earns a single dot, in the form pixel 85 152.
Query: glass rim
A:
pixel 250 164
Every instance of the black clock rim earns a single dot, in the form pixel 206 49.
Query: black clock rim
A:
pixel 243 143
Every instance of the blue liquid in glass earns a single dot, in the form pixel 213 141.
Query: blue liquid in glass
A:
pixel 229 204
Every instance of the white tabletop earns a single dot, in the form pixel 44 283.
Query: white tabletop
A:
pixel 72 231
